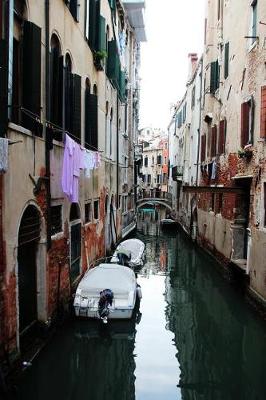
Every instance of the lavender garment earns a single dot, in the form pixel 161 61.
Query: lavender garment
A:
pixel 72 163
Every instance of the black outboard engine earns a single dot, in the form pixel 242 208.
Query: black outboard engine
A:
pixel 105 301
pixel 124 257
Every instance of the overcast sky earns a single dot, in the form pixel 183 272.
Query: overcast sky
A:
pixel 174 28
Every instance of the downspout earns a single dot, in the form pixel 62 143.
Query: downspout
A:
pixel 117 152
pixel 198 150
pixel 47 116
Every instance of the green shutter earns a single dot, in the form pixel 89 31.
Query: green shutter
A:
pixel 122 86
pixel 94 24
pixel 102 35
pixel 31 97
pixel 226 60
pixel 213 77
pixel 113 64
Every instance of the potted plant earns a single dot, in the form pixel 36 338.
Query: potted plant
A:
pixel 99 59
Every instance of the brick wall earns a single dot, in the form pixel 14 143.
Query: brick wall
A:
pixel 263 113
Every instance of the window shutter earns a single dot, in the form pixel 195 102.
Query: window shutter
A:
pixel 214 141
pixel 73 7
pixel 203 148
pixel 226 60
pixel 94 23
pixel 221 144
pixel 3 88
pixel 102 35
pixel 263 113
pixel 76 106
pixel 31 95
pixel 91 120
pixel 213 77
pixel 244 124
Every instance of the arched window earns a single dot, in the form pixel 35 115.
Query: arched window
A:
pixel 95 89
pixel 56 80
pixel 146 161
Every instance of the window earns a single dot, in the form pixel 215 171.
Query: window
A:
pixel 214 141
pixel 159 159
pixel 184 112
pixel 149 179
pixel 73 6
pixel 215 76
pixel 56 219
pixel 263 113
pixel 56 81
pixel 226 60
pixel 111 132
pixel 91 118
pixel 193 97
pixel 146 161
pixel 96 209
pixel 124 204
pixel 247 122
pixel 152 160
pixel 158 178
pixel 88 213
pixel 94 17
pixel 203 148
pixel 222 136
pixel 253 33
pixel 26 75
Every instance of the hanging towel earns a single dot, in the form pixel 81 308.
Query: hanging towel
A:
pixel 3 155
pixel 89 162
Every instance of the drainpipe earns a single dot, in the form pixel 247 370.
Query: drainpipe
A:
pixel 117 152
pixel 197 174
pixel 47 116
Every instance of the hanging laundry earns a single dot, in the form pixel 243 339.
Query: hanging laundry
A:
pixel 97 160
pixel 214 170
pixel 3 155
pixel 72 163
pixel 89 162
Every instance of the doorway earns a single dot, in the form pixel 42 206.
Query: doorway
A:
pixel 28 241
pixel 75 242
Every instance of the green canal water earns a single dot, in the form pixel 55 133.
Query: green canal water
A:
pixel 193 338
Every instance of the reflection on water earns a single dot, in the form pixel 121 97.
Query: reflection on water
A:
pixel 196 338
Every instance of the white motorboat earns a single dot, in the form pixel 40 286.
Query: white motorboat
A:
pixel 168 222
pixel 108 291
pixel 130 252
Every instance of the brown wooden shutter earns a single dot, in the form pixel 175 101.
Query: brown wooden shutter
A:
pixel 31 95
pixel 263 113
pixel 3 88
pixel 203 148
pixel 214 141
pixel 244 124
pixel 221 144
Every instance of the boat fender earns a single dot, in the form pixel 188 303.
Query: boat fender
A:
pixel 139 292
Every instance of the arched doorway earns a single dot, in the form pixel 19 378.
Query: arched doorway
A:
pixel 28 240
pixel 75 242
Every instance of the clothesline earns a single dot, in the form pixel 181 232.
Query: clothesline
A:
pixel 36 118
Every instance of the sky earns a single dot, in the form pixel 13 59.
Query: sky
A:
pixel 174 28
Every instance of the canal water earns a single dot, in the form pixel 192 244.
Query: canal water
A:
pixel 192 338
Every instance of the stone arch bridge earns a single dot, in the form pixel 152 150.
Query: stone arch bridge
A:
pixel 155 197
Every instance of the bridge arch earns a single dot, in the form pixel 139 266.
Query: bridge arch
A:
pixel 161 202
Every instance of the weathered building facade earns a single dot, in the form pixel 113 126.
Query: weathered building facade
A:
pixel 69 69
pixel 230 193
pixel 154 170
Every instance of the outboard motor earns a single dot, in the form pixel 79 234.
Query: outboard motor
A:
pixel 105 301
pixel 124 257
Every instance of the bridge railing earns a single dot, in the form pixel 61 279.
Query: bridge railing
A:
pixel 154 194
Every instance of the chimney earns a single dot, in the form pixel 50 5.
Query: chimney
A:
pixel 193 61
